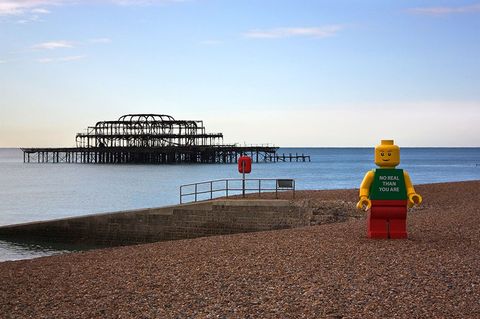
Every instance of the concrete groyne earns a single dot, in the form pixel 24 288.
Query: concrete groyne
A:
pixel 217 217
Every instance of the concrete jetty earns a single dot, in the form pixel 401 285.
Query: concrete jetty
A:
pixel 216 217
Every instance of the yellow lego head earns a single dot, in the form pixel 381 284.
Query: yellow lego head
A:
pixel 387 154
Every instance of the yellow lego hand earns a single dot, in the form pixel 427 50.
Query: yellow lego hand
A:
pixel 414 199
pixel 364 201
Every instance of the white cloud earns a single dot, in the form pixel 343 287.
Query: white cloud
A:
pixel 439 11
pixel 3 61
pixel 28 10
pixel 12 7
pixel 71 58
pixel 311 32
pixel 61 59
pixel 45 60
pixel 41 11
pixel 53 45
pixel 29 19
pixel 141 2
pixel 18 7
pixel 100 40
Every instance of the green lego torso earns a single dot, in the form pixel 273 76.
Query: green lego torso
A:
pixel 388 184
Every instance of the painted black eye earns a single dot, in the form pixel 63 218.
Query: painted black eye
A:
pixel 389 154
pixel 382 153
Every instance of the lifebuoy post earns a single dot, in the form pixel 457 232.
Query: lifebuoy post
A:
pixel 244 167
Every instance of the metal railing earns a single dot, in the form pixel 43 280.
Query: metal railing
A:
pixel 234 186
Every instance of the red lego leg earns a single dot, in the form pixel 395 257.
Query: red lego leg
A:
pixel 387 219
pixel 398 222
pixel 377 227
pixel 398 228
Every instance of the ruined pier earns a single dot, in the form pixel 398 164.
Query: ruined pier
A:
pixel 150 139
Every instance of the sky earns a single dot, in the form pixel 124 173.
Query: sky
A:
pixel 289 73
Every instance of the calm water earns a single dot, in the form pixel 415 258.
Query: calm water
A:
pixel 32 192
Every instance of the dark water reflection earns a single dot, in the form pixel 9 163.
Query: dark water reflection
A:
pixel 17 249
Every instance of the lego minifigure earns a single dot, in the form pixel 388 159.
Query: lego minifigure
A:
pixel 387 191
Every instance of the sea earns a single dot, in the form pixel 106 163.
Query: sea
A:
pixel 36 192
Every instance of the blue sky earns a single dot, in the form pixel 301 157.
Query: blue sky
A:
pixel 292 73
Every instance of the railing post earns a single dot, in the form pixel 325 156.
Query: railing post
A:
pixel 196 192
pixel 211 189
pixel 226 186
pixel 293 189
pixel 259 188
pixel 180 194
pixel 243 180
pixel 276 188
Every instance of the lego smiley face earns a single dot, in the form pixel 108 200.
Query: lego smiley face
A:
pixel 387 155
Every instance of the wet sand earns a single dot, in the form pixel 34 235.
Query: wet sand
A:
pixel 324 271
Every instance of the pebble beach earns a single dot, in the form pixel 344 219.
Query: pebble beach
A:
pixel 323 271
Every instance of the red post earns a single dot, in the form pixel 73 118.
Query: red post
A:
pixel 244 167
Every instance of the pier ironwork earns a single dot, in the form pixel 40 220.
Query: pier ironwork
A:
pixel 153 139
